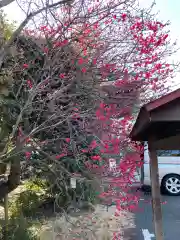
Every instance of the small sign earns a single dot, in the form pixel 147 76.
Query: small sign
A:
pixel 73 182
pixel 112 164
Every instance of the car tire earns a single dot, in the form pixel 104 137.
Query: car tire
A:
pixel 171 185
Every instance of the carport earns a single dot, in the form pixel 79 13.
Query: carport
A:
pixel 158 123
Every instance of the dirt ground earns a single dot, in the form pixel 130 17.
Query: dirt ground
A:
pixel 99 225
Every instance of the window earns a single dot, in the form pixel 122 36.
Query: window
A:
pixel 168 153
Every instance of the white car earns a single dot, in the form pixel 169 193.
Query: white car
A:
pixel 169 170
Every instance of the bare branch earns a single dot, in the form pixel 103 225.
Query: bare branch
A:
pixel 4 50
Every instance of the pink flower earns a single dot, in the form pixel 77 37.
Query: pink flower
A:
pixel 65 42
pixel 28 140
pixel 60 155
pixel 61 75
pixel 75 115
pixel 29 83
pixel 94 61
pixel 84 70
pixel 46 50
pixel 123 16
pixel 81 61
pixel 43 28
pixel 116 214
pixel 60 44
pixel 28 155
pixel 96 158
pixel 84 150
pixel 57 44
pixel 93 144
pixel 25 65
pixel 68 140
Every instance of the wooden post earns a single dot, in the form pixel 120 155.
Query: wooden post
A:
pixel 6 219
pixel 156 201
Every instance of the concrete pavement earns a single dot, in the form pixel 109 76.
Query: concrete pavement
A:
pixel 171 219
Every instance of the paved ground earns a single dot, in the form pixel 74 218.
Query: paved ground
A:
pixel 171 219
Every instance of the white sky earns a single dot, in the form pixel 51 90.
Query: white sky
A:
pixel 168 10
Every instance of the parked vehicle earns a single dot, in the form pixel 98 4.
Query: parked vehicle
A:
pixel 169 170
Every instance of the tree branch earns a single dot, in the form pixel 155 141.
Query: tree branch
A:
pixel 4 49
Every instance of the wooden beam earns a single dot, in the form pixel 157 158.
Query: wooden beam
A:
pixel 156 201
pixel 170 143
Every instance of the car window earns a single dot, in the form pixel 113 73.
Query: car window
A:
pixel 168 153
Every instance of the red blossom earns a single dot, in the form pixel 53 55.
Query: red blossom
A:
pixel 65 42
pixel 94 61
pixel 96 158
pixel 43 28
pixel 28 140
pixel 29 84
pixel 62 75
pixel 93 145
pixel 85 150
pixel 25 65
pixel 61 155
pixel 46 50
pixel 60 43
pixel 27 155
pixel 84 70
pixel 123 16
pixel 81 61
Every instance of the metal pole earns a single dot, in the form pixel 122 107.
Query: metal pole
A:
pixel 156 201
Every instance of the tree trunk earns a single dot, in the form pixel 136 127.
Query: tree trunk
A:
pixel 13 178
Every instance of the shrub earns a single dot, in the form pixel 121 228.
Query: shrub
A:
pixel 27 202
